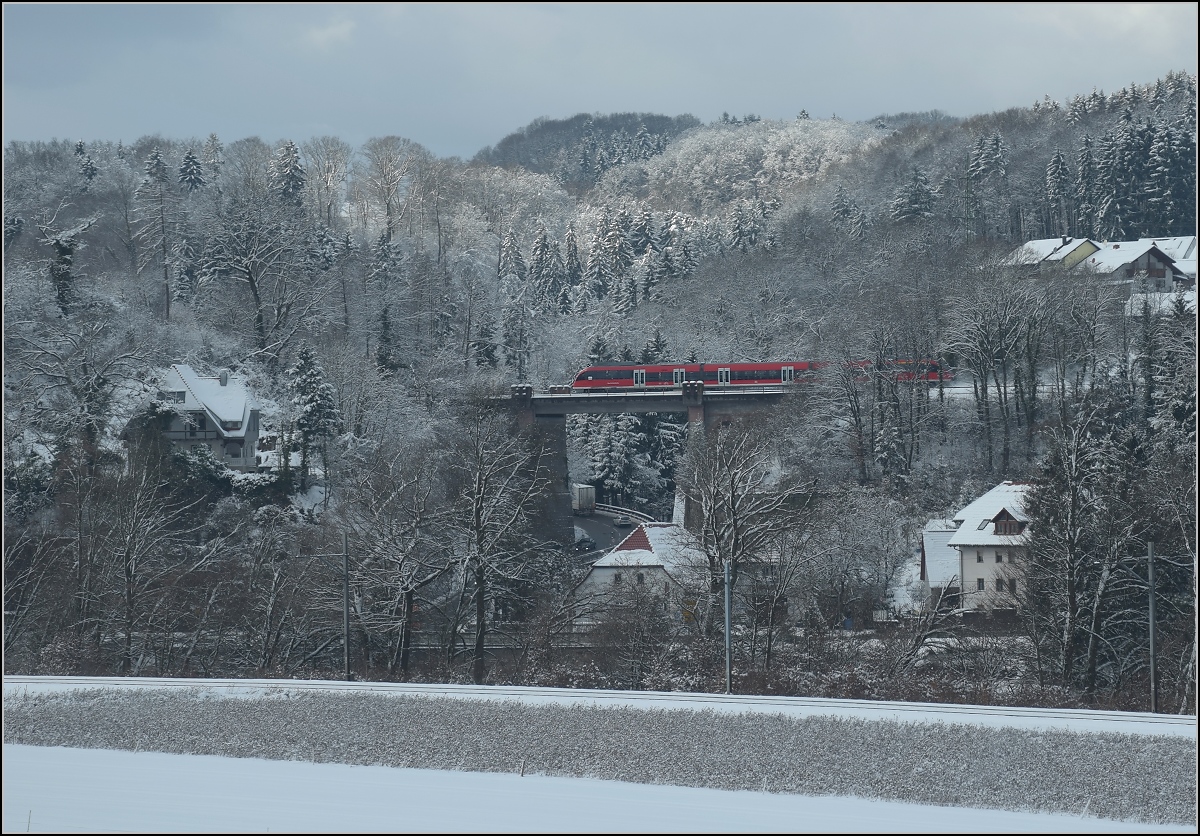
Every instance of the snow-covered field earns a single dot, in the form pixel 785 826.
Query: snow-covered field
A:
pixel 248 755
pixel 56 790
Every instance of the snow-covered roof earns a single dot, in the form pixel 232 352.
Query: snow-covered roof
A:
pixel 976 522
pixel 941 560
pixel 1180 247
pixel 1044 249
pixel 1114 255
pixel 655 544
pixel 227 403
pixel 1187 266
pixel 1159 302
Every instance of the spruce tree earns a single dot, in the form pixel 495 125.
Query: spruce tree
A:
pixel 540 270
pixel 1085 190
pixel 483 347
pixel 158 217
pixel 213 159
pixel 516 337
pixel 617 250
pixel 287 175
pixel 1058 191
pixel 88 171
pixel 191 173
pixel 655 349
pixel 315 406
pixel 511 269
pixel 914 200
pixel 626 296
pixel 597 275
pixel 641 234
pixel 572 263
pixel 599 352
pixel 386 359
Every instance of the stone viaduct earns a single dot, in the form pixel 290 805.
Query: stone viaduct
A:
pixel 544 415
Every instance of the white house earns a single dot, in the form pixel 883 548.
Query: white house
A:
pixel 992 539
pixel 214 412
pixel 980 551
pixel 657 559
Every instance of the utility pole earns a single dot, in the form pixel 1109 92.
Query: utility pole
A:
pixel 346 603
pixel 728 645
pixel 1153 637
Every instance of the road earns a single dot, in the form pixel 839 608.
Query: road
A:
pixel 601 529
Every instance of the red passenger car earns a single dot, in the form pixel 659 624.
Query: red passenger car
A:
pixel 668 375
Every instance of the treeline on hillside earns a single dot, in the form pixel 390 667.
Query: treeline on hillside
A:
pixel 578 150
pixel 371 296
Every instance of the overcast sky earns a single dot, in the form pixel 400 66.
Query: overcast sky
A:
pixel 458 77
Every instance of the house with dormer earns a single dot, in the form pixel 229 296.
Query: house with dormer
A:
pixel 981 552
pixel 219 413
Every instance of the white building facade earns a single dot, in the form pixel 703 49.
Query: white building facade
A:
pixel 981 552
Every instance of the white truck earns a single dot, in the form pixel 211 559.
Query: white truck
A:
pixel 583 500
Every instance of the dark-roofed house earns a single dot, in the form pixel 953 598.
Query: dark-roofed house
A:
pixel 214 412
pixel 1134 266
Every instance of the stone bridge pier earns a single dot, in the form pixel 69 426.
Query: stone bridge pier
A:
pixel 543 416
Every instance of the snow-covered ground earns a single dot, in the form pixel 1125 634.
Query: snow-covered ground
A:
pixel 58 790
pixel 255 755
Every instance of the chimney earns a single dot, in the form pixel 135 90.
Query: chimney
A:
pixel 224 378
pixel 1066 240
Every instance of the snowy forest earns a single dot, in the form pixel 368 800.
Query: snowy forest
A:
pixel 376 300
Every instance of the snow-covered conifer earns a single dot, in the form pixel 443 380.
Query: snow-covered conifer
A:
pixel 315 405
pixel 191 173
pixel 287 174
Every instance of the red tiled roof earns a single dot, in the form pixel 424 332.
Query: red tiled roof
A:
pixel 637 541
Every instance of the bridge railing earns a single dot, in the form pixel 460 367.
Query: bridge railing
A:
pixel 617 510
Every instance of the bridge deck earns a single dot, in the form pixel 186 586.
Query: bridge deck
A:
pixel 648 400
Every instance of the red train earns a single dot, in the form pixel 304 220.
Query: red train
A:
pixel 739 374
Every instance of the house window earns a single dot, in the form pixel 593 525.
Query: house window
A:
pixel 1012 586
pixel 999 557
pixel 979 584
pixel 234 451
pixel 617 578
pixel 999 584
pixel 199 424
pixel 979 557
pixel 641 579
